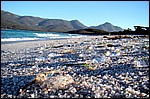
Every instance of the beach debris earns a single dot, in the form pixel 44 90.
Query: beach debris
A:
pixel 54 55
pixel 107 53
pixel 117 37
pixel 58 82
pixel 72 51
pixel 116 52
pixel 21 64
pixel 89 66
pixel 39 78
pixel 140 63
pixel 110 45
pixel 41 52
pixel 40 59
pixel 89 48
pixel 57 46
pixel 84 64
pixel 48 80
pixel 81 55
pixel 98 58
pixel 132 91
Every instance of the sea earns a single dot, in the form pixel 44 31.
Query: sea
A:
pixel 26 35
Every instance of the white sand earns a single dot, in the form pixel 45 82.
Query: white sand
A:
pixel 31 44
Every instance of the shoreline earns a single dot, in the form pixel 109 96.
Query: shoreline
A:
pixel 10 42
pixel 17 45
pixel 84 36
pixel 37 43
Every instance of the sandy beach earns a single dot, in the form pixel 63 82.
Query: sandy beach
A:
pixel 22 45
pixel 98 66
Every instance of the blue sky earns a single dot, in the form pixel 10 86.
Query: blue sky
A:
pixel 125 14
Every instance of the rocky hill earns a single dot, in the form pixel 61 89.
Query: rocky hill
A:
pixel 13 21
pixel 108 27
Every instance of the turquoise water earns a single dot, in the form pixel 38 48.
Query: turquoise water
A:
pixel 21 35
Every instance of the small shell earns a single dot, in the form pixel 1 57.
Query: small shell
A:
pixel 105 77
pixel 90 48
pixel 40 52
pixel 107 53
pixel 132 91
pixel 108 87
pixel 140 73
pixel 84 83
pixel 81 55
pixel 41 77
pixel 143 94
pixel 73 91
pixel 32 96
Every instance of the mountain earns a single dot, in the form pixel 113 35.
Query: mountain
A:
pixel 76 24
pixel 108 27
pixel 13 21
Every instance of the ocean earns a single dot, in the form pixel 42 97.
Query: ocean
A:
pixel 25 35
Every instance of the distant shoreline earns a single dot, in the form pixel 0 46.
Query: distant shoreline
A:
pixel 98 32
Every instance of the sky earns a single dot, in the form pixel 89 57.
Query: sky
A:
pixel 125 14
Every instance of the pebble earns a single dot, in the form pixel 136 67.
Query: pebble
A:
pixel 121 69
pixel 32 96
pixel 10 96
pixel 73 90
pixel 52 96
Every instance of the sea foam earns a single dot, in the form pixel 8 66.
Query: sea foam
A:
pixel 46 35
pixel 17 39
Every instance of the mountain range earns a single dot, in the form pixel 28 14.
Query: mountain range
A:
pixel 13 21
